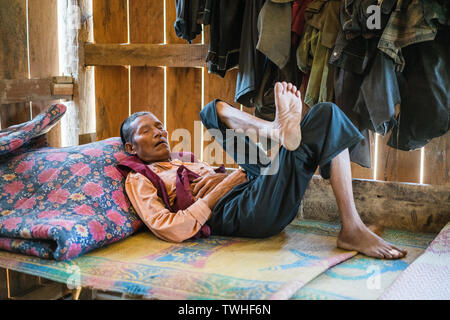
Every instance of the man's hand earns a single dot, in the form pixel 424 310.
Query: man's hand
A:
pixel 231 181
pixel 203 185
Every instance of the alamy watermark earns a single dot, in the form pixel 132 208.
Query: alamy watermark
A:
pixel 374 280
pixel 74 280
pixel 235 146
pixel 374 20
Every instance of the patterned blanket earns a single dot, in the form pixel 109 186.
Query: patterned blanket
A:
pixel 60 203
pixel 302 262
pixel 365 278
pixel 207 268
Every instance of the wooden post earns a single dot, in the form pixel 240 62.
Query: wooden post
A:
pixel 84 97
pixel 44 59
pixel 76 293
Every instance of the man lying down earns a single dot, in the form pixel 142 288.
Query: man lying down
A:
pixel 248 203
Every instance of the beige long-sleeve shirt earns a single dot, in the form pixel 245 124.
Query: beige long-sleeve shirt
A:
pixel 169 226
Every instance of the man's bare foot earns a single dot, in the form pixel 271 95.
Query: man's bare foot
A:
pixel 288 115
pixel 363 240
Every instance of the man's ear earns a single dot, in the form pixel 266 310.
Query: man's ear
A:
pixel 129 148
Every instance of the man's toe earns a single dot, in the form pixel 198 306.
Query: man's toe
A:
pixel 387 254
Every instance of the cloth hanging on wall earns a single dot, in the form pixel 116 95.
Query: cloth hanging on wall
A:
pixel 407 25
pixel 265 99
pixel 258 72
pixel 425 91
pixel 313 52
pixel 362 75
pixel 251 60
pixel 340 59
pixel 189 18
pixel 274 27
pixel 225 35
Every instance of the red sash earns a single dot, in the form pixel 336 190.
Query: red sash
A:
pixel 184 197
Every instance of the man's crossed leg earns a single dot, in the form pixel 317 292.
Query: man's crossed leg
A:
pixel 286 129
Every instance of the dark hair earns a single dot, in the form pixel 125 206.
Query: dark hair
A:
pixel 126 130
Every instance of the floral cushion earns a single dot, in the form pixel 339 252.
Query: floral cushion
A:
pixel 63 202
pixel 16 137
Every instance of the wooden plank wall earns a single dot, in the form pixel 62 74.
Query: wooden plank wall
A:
pixel 111 83
pixel 184 89
pixel 28 52
pixel 13 56
pixel 84 95
pixel 178 94
pixel 147 83
pixel 43 53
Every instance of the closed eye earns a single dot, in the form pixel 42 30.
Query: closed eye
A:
pixel 144 129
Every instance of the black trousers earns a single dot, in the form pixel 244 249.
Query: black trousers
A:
pixel 265 204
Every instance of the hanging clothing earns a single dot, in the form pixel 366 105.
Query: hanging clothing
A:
pixel 378 95
pixel 354 17
pixel 225 35
pixel 265 98
pixel 313 52
pixel 298 20
pixel 345 98
pixel 189 16
pixel 274 27
pixel 424 88
pixel 406 26
pixel 365 84
pixel 370 75
pixel 436 12
pixel 257 73
pixel 251 60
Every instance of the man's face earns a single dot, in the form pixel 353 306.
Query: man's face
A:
pixel 149 140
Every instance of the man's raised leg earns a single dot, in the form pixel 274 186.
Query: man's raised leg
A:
pixel 354 235
pixel 286 126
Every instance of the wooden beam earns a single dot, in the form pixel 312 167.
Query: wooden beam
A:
pixel 87 138
pixel 407 206
pixel 145 55
pixel 52 291
pixel 24 90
